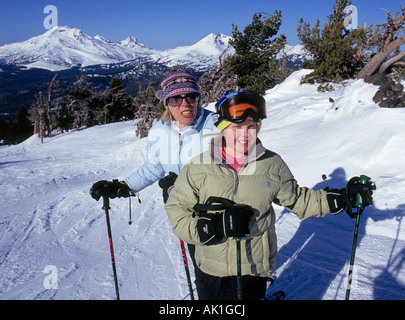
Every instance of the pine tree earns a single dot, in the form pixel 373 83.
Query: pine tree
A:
pixel 336 51
pixel 119 106
pixel 23 127
pixel 74 110
pixel 4 131
pixel 16 131
pixel 254 62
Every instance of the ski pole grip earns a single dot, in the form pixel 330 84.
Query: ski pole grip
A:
pixel 359 201
pixel 106 202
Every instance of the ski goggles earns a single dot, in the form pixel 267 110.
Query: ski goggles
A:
pixel 236 107
pixel 176 101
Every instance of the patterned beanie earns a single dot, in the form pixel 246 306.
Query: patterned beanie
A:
pixel 177 83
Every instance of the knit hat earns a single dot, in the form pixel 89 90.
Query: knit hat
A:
pixel 178 82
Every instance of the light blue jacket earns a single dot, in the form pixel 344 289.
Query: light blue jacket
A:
pixel 169 149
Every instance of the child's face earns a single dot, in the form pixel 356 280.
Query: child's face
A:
pixel 240 136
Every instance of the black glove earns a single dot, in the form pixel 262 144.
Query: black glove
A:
pixel 365 191
pixel 364 188
pixel 166 183
pixel 346 198
pixel 234 222
pixel 337 200
pixel 111 189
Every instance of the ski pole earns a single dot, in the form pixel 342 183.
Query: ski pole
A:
pixel 130 211
pixel 355 236
pixel 106 207
pixel 190 286
pixel 239 268
pixel 359 205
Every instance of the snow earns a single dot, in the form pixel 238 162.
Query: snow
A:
pixel 212 46
pixel 64 47
pixel 295 53
pixel 50 227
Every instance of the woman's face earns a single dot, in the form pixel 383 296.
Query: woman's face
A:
pixel 240 136
pixel 183 112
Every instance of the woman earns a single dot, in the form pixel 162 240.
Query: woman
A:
pixel 172 142
pixel 228 192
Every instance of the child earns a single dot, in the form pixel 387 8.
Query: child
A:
pixel 240 172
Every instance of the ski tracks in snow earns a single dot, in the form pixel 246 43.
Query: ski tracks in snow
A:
pixel 149 257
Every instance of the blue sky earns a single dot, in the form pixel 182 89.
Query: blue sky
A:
pixel 163 24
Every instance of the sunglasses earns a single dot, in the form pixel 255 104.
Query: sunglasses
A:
pixel 176 101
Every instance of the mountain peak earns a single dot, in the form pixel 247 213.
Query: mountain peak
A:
pixel 101 38
pixel 65 31
pixel 133 43
pixel 213 44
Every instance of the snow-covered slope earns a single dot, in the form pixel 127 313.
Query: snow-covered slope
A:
pixel 49 222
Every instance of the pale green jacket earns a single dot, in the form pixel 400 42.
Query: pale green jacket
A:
pixel 264 179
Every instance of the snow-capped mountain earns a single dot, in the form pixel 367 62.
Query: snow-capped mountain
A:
pixel 295 53
pixel 204 52
pixel 64 47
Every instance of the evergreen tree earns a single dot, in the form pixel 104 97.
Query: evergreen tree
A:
pixel 16 131
pixel 254 63
pixel 4 132
pixel 336 51
pixel 74 110
pixel 23 127
pixel 119 105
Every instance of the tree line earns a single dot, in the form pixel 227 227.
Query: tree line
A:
pixel 337 54
pixel 81 106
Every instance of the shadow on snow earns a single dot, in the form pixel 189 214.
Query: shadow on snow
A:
pixel 318 254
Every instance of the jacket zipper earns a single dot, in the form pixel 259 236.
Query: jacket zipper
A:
pixel 180 146
pixel 236 173
pixel 236 183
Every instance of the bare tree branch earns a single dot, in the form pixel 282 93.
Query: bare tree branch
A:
pixel 387 38
pixel 391 61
